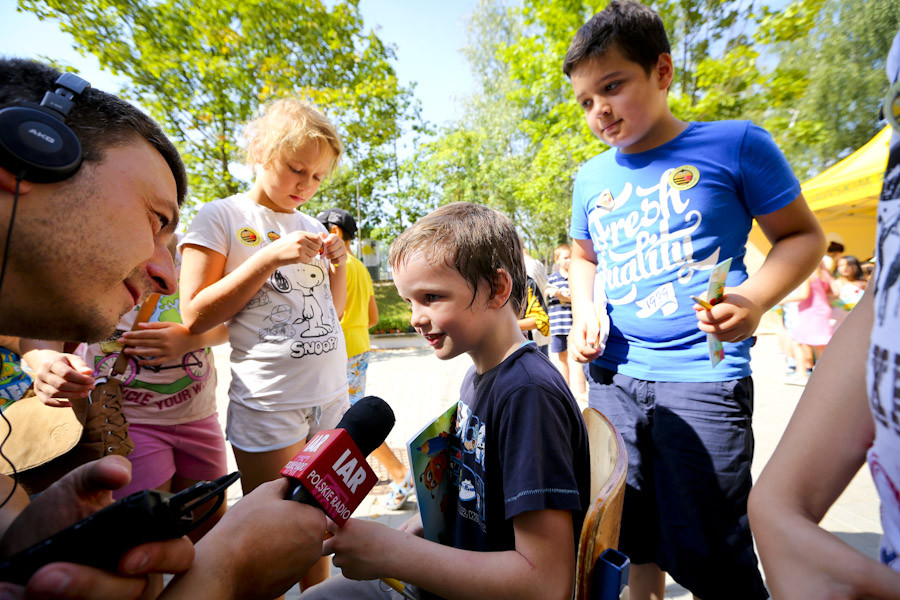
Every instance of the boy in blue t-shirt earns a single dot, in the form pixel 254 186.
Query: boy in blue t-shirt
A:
pixel 651 217
pixel 519 442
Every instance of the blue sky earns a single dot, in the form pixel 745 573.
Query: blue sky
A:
pixel 428 35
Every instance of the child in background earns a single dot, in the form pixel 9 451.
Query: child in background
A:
pixel 360 314
pixel 518 431
pixel 559 305
pixel 278 279
pixel 812 328
pixel 651 217
pixel 169 396
pixel 535 321
pixel 847 288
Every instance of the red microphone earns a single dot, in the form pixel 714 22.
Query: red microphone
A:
pixel 331 471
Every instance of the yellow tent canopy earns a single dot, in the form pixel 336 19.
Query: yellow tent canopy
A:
pixel 844 198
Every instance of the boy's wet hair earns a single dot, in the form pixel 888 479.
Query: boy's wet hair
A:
pixel 287 125
pixel 636 30
pixel 472 239
pixel 100 120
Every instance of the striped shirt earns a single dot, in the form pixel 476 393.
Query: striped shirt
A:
pixel 560 314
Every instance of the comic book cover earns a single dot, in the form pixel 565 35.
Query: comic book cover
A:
pixel 429 460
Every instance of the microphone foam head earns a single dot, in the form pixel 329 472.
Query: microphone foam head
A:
pixel 368 422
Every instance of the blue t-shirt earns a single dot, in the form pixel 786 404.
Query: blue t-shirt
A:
pixel 520 445
pixel 659 220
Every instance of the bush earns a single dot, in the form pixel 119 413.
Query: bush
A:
pixel 393 312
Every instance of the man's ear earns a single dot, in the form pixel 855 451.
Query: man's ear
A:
pixel 8 183
pixel 502 289
pixel 665 70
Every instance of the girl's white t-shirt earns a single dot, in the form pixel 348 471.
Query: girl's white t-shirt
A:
pixel 287 347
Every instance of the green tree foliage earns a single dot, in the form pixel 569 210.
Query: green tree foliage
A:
pixel 809 71
pixel 204 67
pixel 829 84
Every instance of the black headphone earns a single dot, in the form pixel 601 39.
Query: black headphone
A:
pixel 35 143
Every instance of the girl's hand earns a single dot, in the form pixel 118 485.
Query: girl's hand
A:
pixel 733 319
pixel 158 343
pixel 333 249
pixel 295 247
pixel 62 377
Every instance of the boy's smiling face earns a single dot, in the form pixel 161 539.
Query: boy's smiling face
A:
pixel 442 307
pixel 624 105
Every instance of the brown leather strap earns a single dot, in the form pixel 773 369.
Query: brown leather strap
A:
pixel 144 313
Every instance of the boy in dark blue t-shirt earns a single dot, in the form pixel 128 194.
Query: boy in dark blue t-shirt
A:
pixel 651 217
pixel 520 442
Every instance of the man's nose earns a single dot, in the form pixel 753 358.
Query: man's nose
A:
pixel 161 270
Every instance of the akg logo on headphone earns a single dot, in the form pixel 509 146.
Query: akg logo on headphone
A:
pixel 41 135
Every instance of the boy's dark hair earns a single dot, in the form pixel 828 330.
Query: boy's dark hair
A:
pixel 100 120
pixel 636 30
pixel 472 239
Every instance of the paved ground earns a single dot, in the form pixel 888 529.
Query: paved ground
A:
pixel 418 387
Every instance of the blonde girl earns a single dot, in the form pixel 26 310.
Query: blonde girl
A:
pixel 277 278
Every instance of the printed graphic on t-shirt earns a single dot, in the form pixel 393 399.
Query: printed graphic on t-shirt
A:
pixel 649 237
pixel 883 373
pixel 13 380
pixel 145 391
pixel 467 467
pixel 305 325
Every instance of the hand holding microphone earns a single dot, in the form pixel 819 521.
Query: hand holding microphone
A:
pixel 331 471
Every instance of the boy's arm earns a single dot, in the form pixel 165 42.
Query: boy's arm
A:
pixel 585 332
pixel 823 447
pixel 797 247
pixel 541 567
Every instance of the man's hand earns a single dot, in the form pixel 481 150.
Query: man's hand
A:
pixel 733 319
pixel 61 377
pixel 159 342
pixel 262 546
pixel 80 493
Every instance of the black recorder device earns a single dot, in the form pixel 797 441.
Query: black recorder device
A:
pixel 101 539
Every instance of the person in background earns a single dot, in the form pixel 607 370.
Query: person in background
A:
pixel 360 314
pixel 536 270
pixel 812 328
pixel 559 307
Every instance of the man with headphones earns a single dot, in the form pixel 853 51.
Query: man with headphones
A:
pixel 90 191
